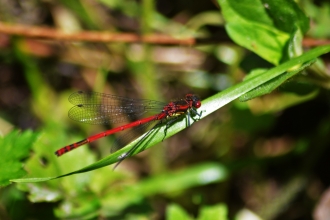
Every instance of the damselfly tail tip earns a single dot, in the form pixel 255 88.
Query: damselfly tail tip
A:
pixel 60 152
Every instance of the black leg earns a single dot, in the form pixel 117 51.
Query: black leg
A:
pixel 168 124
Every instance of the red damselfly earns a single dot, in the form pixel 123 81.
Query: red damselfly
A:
pixel 100 108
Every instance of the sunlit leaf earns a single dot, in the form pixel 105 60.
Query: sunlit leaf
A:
pixel 262 26
pixel 219 212
pixel 14 147
pixel 174 212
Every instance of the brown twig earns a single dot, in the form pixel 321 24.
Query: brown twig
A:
pixel 311 42
pixel 92 36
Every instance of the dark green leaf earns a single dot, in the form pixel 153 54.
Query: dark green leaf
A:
pixel 286 15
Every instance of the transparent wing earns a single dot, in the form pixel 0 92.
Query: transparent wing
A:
pixel 100 108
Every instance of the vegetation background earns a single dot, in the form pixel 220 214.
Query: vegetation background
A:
pixel 267 158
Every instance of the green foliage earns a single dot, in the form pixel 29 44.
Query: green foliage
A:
pixel 264 140
pixel 271 85
pixel 264 27
pixel 216 212
pixel 176 212
pixel 15 147
pixel 269 79
pixel 219 212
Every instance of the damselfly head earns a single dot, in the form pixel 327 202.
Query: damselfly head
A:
pixel 194 100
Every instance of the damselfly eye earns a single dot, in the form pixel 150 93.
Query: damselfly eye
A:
pixel 197 104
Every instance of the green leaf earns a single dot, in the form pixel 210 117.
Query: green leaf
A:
pixel 174 212
pixel 216 212
pixel 265 42
pixel 208 106
pixel 294 46
pixel 43 163
pixel 15 146
pixel 263 27
pixel 286 15
pixel 169 183
pixel 179 180
pixel 79 207
pixel 272 84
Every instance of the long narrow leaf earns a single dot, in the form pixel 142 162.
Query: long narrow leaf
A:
pixel 271 85
pixel 209 105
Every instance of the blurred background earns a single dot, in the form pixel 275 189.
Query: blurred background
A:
pixel 267 158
